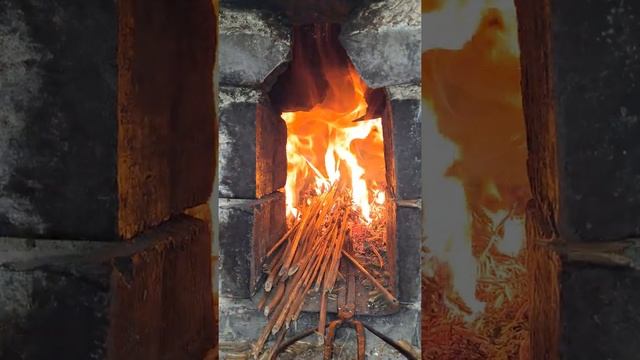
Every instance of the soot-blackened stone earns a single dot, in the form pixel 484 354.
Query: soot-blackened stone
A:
pixel 586 82
pixel 403 141
pixel 105 127
pixel 86 300
pixel 252 45
pixel 248 228
pixel 383 42
pixel 252 141
pixel 600 317
pixel 404 224
pixel 301 12
pixel 58 127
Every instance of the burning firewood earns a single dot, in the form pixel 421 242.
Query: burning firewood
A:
pixel 308 258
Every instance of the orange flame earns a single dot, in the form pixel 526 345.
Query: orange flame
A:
pixel 326 145
pixel 475 153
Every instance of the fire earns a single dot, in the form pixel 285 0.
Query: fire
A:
pixel 476 184
pixel 326 145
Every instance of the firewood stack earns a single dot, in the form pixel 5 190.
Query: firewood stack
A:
pixel 307 256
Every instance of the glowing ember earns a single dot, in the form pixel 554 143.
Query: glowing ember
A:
pixel 325 145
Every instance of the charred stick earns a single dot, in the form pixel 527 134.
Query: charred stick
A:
pixel 373 280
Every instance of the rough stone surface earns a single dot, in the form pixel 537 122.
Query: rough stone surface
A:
pixel 301 12
pixel 106 128
pixel 149 299
pixel 600 316
pixel 402 133
pixel 58 118
pixel 247 229
pixel 591 68
pixel 252 45
pixel 383 40
pixel 404 225
pixel 240 325
pixel 253 141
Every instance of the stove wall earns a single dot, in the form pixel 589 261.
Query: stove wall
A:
pixel 581 77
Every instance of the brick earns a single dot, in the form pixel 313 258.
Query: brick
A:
pixel 105 129
pixel 402 131
pixel 149 299
pixel 253 141
pixel 252 45
pixel 248 228
pixel 382 39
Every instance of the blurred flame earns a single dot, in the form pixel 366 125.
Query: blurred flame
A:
pixel 325 143
pixel 474 147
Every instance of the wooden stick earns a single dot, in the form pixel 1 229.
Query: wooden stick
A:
pixel 282 240
pixel 266 331
pixel 375 251
pixel 271 279
pixel 392 299
pixel 307 284
pixel 296 240
pixel 262 302
pixel 275 299
pixel 323 312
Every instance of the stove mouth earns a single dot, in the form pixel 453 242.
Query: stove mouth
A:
pixel 320 224
pixel 336 188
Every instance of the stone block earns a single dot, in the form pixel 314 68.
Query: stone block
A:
pixel 580 103
pixel 600 318
pixel 105 129
pixel 301 13
pixel 252 45
pixel 248 228
pixel 382 39
pixel 148 299
pixel 253 140
pixel 241 322
pixel 404 226
pixel 402 133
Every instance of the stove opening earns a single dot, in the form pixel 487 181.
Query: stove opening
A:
pixel 336 187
